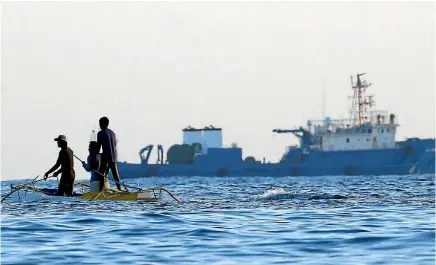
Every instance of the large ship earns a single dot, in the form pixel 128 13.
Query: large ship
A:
pixel 363 144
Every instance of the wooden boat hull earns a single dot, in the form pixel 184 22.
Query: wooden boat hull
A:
pixel 133 196
pixel 151 195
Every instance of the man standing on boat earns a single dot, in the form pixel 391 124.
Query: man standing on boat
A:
pixel 107 141
pixel 66 162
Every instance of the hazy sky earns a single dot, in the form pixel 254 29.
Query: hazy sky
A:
pixel 156 67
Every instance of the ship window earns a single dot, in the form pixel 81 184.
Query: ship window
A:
pixel 387 130
pixel 382 130
pixel 370 131
pixel 348 140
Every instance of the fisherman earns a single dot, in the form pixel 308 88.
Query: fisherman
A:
pixel 66 162
pixel 92 165
pixel 107 141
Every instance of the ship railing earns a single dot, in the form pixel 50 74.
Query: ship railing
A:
pixel 347 125
pixel 372 117
pixel 337 122
pixel 369 117
pixel 332 126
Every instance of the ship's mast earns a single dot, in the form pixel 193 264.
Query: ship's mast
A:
pixel 359 88
pixel 360 102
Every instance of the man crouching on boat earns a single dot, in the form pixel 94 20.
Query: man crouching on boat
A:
pixel 66 162
pixel 92 165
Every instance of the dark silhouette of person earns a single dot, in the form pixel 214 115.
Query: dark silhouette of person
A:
pixel 66 162
pixel 93 166
pixel 107 141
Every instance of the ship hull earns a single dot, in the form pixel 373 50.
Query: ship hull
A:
pixel 414 156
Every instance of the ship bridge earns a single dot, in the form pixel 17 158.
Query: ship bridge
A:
pixel 366 128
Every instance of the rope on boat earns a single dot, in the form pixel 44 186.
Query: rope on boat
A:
pixel 80 184
pixel 142 190
pixel 98 194
pixel 121 192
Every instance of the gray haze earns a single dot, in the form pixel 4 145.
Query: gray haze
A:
pixel 156 67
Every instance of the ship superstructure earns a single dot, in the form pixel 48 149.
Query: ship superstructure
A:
pixel 365 129
pixel 364 143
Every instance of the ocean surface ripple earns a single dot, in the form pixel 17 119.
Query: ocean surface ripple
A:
pixel 232 220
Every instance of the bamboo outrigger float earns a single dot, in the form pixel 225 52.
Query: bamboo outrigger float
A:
pixel 28 192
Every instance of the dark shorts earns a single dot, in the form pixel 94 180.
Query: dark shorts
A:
pixel 66 185
pixel 105 166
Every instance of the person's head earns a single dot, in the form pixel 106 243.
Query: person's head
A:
pixel 93 147
pixel 104 122
pixel 61 140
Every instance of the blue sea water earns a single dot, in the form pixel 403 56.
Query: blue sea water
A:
pixel 223 220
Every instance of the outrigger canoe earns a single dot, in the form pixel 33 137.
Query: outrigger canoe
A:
pixel 31 193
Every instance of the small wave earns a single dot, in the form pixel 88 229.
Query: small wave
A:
pixel 281 194
pixel 86 220
pixel 368 239
pixel 275 194
pixel 207 233
pixel 327 197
